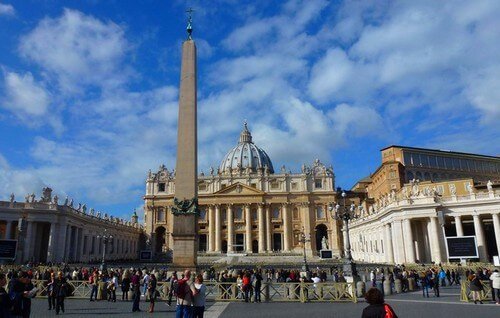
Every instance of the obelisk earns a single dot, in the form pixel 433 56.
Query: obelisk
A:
pixel 185 208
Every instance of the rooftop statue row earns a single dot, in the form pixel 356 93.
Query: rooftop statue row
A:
pixel 48 199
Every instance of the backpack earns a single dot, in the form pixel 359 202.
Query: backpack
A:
pixel 388 311
pixel 181 288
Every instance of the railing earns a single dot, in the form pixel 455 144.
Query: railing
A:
pixel 466 293
pixel 232 292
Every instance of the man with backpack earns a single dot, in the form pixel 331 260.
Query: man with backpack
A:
pixel 184 290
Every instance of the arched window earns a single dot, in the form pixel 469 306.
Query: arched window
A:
pixel 160 217
pixel 239 213
pixel 320 213
pixel 203 214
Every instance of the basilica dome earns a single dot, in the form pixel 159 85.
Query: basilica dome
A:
pixel 246 156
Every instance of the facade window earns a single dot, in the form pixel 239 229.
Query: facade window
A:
pixel 224 215
pixel 203 214
pixel 238 213
pixel 222 186
pixel 202 187
pixel 294 186
pixel 160 216
pixel 276 213
pixel 254 185
pixel 161 187
pixel 392 174
pixel 295 213
pixel 254 214
pixel 318 183
pixel 320 213
pixel 275 185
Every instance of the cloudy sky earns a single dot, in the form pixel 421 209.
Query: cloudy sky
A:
pixel 88 89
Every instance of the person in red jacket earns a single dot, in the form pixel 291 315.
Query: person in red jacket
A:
pixel 246 286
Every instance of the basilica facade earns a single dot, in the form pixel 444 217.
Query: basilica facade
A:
pixel 248 207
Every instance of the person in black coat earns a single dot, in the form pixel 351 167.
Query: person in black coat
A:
pixel 19 290
pixel 60 291
pixel 5 301
pixel 51 297
pixel 377 307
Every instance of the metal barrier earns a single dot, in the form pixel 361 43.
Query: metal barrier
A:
pixel 466 293
pixel 216 291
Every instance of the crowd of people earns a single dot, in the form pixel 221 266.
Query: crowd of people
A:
pixel 245 284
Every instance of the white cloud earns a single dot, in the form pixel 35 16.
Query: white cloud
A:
pixel 78 50
pixel 24 96
pixel 7 9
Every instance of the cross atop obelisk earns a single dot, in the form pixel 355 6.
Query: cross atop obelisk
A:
pixel 185 205
pixel 189 27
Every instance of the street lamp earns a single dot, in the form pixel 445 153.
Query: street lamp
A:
pixel 105 239
pixel 346 214
pixel 304 238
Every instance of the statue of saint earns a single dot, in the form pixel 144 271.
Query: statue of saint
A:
pixel 324 243
pixel 12 198
pixel 489 186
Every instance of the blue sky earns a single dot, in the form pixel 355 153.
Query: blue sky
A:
pixel 88 89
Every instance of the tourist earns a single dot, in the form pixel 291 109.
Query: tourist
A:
pixel 476 287
pixel 184 291
pixel 495 286
pixel 60 291
pixel 145 283
pixel 136 291
pixel 51 297
pixel 112 286
pixel 21 290
pixel 377 307
pixel 436 278
pixel 199 297
pixel 152 292
pixel 257 283
pixel 5 301
pixel 94 283
pixel 425 282
pixel 246 286
pixel 442 277
pixel 173 282
pixel 125 285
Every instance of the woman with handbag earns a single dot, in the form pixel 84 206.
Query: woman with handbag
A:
pixel 152 292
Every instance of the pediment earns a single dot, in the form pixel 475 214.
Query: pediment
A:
pixel 239 189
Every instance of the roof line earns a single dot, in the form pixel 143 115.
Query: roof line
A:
pixel 441 151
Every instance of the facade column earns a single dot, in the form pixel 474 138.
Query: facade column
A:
pixel 51 255
pixel 8 230
pixel 211 228
pixel 69 241
pixel 28 241
pixel 261 221
pixel 433 229
pixel 409 244
pixel 481 241
pixel 389 251
pixel 268 229
pixel 248 229
pixel 496 227
pixel 458 226
pixel 306 221
pixel 218 241
pixel 397 240
pixel 286 228
pixel 230 229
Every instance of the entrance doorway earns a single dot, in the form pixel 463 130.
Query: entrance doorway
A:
pixel 160 239
pixel 240 241
pixel 255 246
pixel 202 243
pixel 277 242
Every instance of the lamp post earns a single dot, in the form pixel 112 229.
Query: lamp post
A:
pixel 304 238
pixel 346 214
pixel 105 239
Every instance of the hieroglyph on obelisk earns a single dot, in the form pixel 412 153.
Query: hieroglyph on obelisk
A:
pixel 185 207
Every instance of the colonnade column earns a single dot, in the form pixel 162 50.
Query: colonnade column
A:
pixel 248 229
pixel 28 240
pixel 481 241
pixel 268 228
pixel 211 229
pixel 433 231
pixel 389 251
pixel 260 216
pixel 286 228
pixel 8 230
pixel 409 244
pixel 398 240
pixel 51 257
pixel 218 237
pixel 230 229
pixel 69 240
pixel 496 227
pixel 458 226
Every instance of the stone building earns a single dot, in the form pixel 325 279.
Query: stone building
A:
pixel 51 231
pixel 410 225
pixel 248 207
pixel 419 196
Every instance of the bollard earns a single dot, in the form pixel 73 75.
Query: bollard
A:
pixel 398 286
pixel 387 287
pixel 360 289
pixel 267 294
pixel 411 284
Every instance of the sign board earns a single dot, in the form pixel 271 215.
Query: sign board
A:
pixel 461 247
pixel 325 254
pixel 8 249
pixel 146 255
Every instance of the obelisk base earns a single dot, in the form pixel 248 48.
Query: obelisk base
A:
pixel 184 252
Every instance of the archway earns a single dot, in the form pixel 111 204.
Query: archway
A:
pixel 321 231
pixel 202 243
pixel 160 239
pixel 255 246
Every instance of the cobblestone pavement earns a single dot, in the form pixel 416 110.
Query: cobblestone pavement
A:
pixel 411 305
